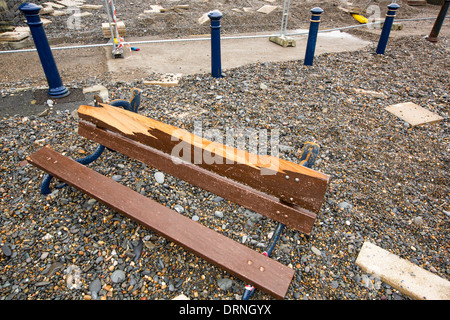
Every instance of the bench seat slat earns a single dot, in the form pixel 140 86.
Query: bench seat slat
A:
pixel 250 266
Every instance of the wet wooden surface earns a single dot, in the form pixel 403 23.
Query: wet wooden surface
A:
pixel 291 215
pixel 250 266
pixel 287 181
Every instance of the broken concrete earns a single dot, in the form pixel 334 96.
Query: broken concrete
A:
pixel 413 114
pixel 166 80
pixel 99 89
pixel 401 274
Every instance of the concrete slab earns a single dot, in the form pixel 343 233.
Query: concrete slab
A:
pixel 194 56
pixel 413 114
pixel 401 274
pixel 266 9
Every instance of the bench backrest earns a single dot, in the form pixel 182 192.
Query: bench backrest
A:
pixel 293 184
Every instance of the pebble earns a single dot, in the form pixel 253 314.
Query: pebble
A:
pixel 117 177
pixel 345 206
pixel 95 286
pixel 178 208
pixel 159 177
pixel 218 214
pixel 418 221
pixel 225 283
pixel 316 251
pixel 118 276
pixel 6 249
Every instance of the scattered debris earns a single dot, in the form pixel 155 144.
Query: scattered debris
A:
pixel 154 9
pixel 266 9
pixel 204 18
pixel 167 80
pixel 103 91
pixel 371 93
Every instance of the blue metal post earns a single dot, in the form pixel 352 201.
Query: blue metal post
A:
pixel 216 64
pixel 312 36
pixel 56 87
pixel 438 23
pixel 387 26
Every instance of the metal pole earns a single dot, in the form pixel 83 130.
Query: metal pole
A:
pixel 56 87
pixel 284 18
pixel 390 15
pixel 312 35
pixel 438 23
pixel 216 64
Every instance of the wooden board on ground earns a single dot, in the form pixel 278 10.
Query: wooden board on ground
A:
pixel 401 274
pixel 413 114
pixel 250 266
pixel 107 31
pixel 290 182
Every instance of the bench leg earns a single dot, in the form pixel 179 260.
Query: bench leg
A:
pixel 308 158
pixel 132 105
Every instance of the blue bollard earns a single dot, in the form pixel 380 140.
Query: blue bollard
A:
pixel 312 36
pixel 216 64
pixel 56 87
pixel 433 36
pixel 390 15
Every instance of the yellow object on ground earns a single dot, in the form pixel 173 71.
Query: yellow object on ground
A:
pixel 360 18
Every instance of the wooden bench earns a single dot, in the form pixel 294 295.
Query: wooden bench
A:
pixel 289 193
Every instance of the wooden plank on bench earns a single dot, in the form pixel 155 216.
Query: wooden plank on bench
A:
pixel 290 182
pixel 250 266
pixel 291 215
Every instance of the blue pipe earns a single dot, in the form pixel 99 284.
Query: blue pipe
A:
pixel 56 87
pixel 312 36
pixel 216 63
pixel 387 26
pixel 132 105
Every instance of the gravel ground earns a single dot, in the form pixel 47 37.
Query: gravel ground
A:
pixel 240 16
pixel 389 183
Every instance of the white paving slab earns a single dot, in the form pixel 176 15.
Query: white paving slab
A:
pixel 403 275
